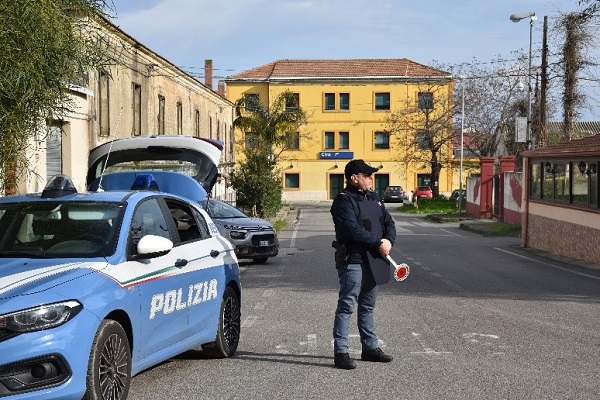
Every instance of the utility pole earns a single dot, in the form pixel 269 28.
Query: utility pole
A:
pixel 543 87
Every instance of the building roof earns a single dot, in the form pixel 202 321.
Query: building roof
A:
pixel 585 147
pixel 582 128
pixel 351 69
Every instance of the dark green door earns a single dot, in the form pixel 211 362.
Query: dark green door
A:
pixel 336 184
pixel 381 182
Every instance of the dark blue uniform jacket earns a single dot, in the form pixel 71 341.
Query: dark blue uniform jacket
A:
pixel 349 229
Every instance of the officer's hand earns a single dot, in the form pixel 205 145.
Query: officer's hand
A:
pixel 385 247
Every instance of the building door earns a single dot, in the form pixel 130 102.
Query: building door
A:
pixel 53 151
pixel 336 184
pixel 381 182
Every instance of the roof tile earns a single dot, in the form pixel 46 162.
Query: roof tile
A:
pixel 351 68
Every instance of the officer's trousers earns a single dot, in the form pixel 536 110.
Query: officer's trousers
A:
pixel 357 287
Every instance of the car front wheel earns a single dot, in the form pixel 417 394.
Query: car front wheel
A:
pixel 228 332
pixel 109 370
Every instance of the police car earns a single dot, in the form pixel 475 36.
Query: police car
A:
pixel 97 286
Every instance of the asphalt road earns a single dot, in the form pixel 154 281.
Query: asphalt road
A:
pixel 478 318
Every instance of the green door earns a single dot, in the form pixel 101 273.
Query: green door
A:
pixel 381 182
pixel 336 184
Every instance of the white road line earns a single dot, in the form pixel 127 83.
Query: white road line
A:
pixel 249 321
pixel 545 263
pixel 426 349
pixel 295 233
pixel 449 232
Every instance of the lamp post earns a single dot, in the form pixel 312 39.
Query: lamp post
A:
pixel 462 136
pixel 532 18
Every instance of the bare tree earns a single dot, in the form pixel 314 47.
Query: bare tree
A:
pixel 424 130
pixel 493 99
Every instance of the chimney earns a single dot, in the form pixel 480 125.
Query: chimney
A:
pixel 208 73
pixel 221 88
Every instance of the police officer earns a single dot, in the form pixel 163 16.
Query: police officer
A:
pixel 365 233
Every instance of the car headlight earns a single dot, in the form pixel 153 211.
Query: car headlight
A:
pixel 39 318
pixel 237 234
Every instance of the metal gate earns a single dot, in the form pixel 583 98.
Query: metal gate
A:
pixel 496 197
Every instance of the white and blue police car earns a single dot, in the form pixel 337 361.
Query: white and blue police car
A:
pixel 97 286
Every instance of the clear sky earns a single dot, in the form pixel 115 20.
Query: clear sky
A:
pixel 242 34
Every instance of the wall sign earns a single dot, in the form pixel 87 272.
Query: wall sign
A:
pixel 337 155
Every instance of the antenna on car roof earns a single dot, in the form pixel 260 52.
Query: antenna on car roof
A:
pixel 109 150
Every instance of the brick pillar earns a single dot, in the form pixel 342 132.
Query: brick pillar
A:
pixel 487 186
pixel 507 164
pixel 208 74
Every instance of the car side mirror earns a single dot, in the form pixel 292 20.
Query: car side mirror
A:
pixel 151 246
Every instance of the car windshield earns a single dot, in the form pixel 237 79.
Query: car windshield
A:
pixel 190 163
pixel 59 229
pixel 424 188
pixel 219 209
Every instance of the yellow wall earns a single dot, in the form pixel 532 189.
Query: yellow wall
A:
pixel 361 121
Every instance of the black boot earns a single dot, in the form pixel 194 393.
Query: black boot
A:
pixel 343 361
pixel 375 355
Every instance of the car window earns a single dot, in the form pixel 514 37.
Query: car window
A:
pixel 189 223
pixel 148 219
pixel 219 209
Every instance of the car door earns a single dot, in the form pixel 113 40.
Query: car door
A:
pixel 204 275
pixel 163 314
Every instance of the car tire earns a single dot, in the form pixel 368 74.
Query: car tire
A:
pixel 260 260
pixel 109 370
pixel 228 332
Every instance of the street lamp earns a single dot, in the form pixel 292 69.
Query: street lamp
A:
pixel 532 18
pixel 462 136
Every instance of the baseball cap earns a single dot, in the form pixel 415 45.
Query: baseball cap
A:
pixel 358 166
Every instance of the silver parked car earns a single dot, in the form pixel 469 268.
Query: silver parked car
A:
pixel 252 238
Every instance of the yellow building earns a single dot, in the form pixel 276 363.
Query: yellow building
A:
pixel 347 103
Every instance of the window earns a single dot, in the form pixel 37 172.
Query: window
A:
pixel 423 140
pixel 344 140
pixel 565 181
pixel 425 100
pixel 342 103
pixel 292 181
pixel 382 101
pixel 292 103
pixel 382 140
pixel 137 110
pixel 147 220
pixel 197 123
pixel 179 118
pixel 535 183
pixel 161 115
pixel 104 102
pixel 345 101
pixel 329 102
pixel 189 223
pixel 251 140
pixel 292 141
pixel 329 140
pixel 251 101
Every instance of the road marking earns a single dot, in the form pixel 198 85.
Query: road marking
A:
pixel 249 321
pixel 426 349
pixel 545 263
pixel 295 232
pixel 259 306
pixel 267 293
pixel 450 232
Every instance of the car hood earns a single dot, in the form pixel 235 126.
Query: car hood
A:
pixel 245 223
pixel 21 276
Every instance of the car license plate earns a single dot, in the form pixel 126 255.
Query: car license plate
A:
pixel 263 243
